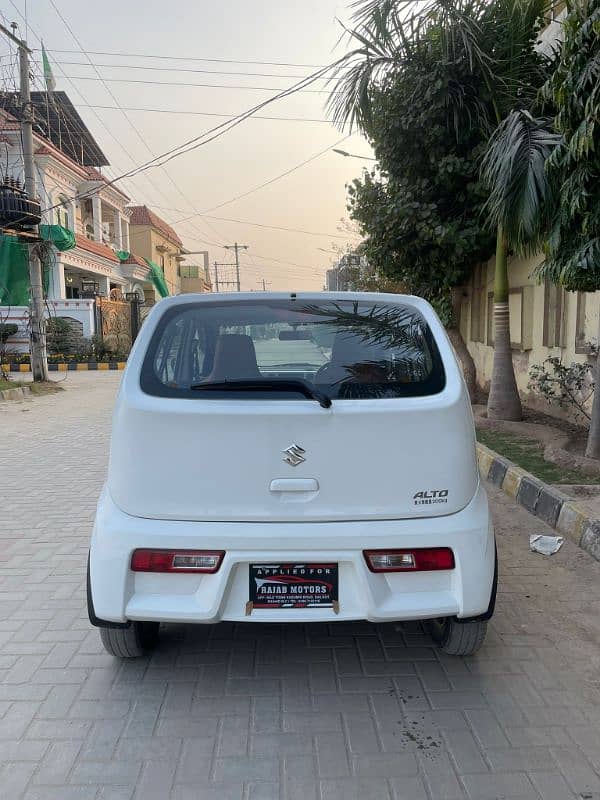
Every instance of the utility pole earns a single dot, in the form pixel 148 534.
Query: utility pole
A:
pixel 39 358
pixel 216 277
pixel 237 247
pixel 264 284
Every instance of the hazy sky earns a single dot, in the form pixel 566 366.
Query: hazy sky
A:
pixel 300 32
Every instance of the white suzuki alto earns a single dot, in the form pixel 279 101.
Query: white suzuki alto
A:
pixel 292 458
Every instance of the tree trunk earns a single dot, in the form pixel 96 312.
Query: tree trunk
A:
pixel 592 449
pixel 504 401
pixel 460 347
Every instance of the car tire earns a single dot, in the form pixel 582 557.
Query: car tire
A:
pixel 132 642
pixel 458 638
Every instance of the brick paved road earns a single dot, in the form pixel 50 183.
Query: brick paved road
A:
pixel 244 712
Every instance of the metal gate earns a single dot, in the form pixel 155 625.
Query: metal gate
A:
pixel 117 321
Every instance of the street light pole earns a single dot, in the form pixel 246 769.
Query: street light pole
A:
pixel 237 247
pixel 352 155
pixel 39 358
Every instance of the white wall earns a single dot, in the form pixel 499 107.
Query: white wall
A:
pixel 81 310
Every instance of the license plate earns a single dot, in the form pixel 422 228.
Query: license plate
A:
pixel 293 585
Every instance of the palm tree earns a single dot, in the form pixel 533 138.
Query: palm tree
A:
pixel 519 206
pixel 495 40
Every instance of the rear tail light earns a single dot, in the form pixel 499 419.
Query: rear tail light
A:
pixel 420 559
pixel 207 561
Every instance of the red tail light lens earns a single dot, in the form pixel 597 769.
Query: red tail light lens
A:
pixel 420 559
pixel 207 561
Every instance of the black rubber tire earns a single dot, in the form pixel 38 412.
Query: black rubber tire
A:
pixel 458 638
pixel 132 642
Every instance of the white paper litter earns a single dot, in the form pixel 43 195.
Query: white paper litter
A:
pixel 546 545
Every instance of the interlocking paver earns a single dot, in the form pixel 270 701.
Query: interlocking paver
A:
pixel 242 712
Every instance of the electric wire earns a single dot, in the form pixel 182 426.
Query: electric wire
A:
pixel 220 130
pixel 178 69
pixel 272 180
pixel 113 97
pixel 100 120
pixel 203 113
pixel 192 58
pixel 79 128
pixel 187 84
pixel 206 137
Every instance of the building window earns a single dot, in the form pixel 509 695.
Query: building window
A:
pixel 162 264
pixel 515 311
pixel 478 303
pixel 553 310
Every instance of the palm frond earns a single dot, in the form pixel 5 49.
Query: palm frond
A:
pixel 513 168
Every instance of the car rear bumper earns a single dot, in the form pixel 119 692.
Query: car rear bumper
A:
pixel 119 594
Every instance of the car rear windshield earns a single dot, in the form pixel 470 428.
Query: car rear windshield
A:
pixel 342 349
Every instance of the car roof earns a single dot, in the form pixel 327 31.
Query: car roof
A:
pixel 241 297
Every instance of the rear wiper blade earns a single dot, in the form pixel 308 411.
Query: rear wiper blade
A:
pixel 266 385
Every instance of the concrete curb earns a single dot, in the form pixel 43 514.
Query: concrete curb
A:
pixel 68 366
pixel 18 393
pixel 544 501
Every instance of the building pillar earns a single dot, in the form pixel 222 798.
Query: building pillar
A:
pixel 125 235
pixel 118 231
pixel 56 284
pixel 97 217
pixel 104 284
pixel 72 214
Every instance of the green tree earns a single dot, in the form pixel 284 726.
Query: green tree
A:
pixel 480 57
pixel 573 248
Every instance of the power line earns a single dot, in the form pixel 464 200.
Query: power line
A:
pixel 214 133
pixel 301 267
pixel 200 140
pixel 129 121
pixel 197 85
pixel 264 225
pixel 202 113
pixel 191 58
pixel 179 69
pixel 272 180
pixel 96 115
pixel 114 180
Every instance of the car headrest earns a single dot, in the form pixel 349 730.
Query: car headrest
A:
pixel 235 358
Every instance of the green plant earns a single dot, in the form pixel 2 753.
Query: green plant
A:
pixel 64 335
pixel 573 247
pixel 568 386
pixel 99 349
pixel 442 78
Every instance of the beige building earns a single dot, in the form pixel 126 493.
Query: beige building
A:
pixel 196 277
pixel 545 320
pixel 152 238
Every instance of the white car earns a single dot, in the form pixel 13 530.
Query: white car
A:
pixel 292 458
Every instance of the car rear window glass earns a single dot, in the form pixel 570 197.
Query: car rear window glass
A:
pixel 345 349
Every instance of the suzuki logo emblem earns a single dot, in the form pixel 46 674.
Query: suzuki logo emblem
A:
pixel 294 455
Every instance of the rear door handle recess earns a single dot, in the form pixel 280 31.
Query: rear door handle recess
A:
pixel 294 485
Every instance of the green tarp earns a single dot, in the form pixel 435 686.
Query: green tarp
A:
pixel 157 277
pixel 14 272
pixel 62 238
pixel 14 263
